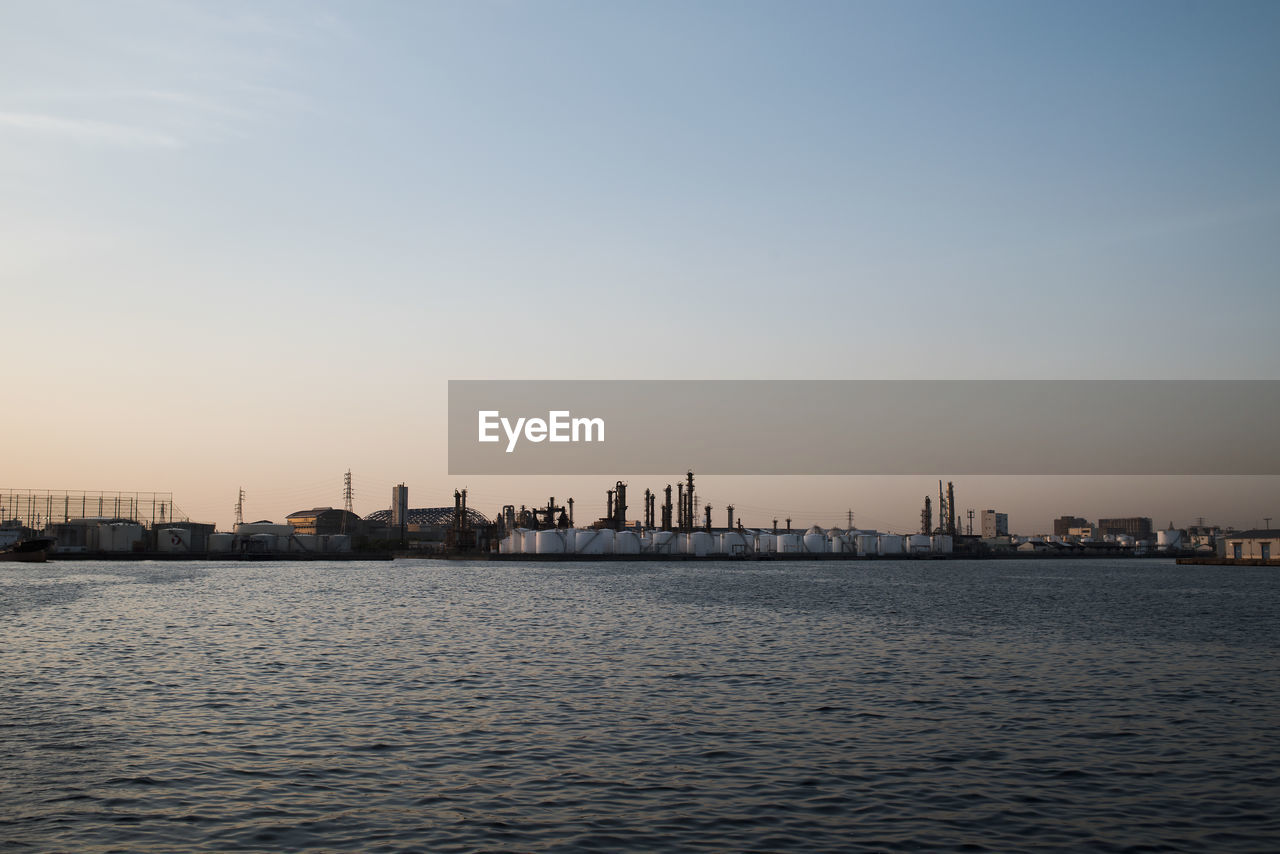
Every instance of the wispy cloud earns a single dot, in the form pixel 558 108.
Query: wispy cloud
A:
pixel 84 130
pixel 161 74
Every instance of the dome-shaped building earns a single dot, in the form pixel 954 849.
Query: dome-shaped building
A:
pixel 421 523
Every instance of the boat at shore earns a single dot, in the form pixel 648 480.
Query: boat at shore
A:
pixel 28 550
pixel 17 547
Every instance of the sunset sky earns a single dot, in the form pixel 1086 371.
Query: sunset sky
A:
pixel 248 244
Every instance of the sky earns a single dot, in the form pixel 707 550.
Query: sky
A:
pixel 246 245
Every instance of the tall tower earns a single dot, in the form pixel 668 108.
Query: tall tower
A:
pixel 240 508
pixel 400 509
pixel 951 509
pixel 346 499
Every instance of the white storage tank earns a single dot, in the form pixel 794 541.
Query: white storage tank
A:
pixel 867 544
pixel 173 540
pixel 788 544
pixel 919 544
pixel 664 543
pixel 816 543
pixel 840 543
pixel 259 543
pixel 530 545
pixel 550 542
pixel 122 536
pixel 700 544
pixel 594 541
pixel 220 543
pixel 942 544
pixel 1169 539
pixel 734 544
pixel 889 544
pixel 106 537
pixel 306 543
pixel 626 543
pixel 517 541
pixel 766 542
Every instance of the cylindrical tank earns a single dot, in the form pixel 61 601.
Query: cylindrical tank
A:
pixel 788 543
pixel 732 543
pixel 626 543
pixel 942 544
pixel 594 541
pixel 220 542
pixel 867 544
pixel 530 545
pixel 306 543
pixel 173 540
pixel 766 542
pixel 816 543
pixel 890 544
pixel 664 543
pixel 549 542
pixel 918 544
pixel 260 543
pixel 840 543
pixel 338 543
pixel 118 536
pixel 700 544
pixel 1170 539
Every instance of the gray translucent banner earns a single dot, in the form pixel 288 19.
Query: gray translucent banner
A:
pixel 864 427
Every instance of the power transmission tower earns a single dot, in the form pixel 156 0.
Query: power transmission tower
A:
pixel 240 508
pixel 346 499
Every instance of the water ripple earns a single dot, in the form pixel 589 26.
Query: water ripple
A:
pixel 424 706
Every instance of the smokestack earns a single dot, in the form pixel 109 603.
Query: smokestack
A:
pixel 620 507
pixel 951 508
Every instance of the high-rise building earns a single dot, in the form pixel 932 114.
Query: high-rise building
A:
pixel 399 505
pixel 1138 527
pixel 1063 524
pixel 995 524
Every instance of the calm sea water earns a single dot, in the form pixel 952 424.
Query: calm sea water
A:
pixel 424 706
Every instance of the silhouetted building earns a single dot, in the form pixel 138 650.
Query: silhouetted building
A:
pixel 1138 527
pixel 399 506
pixel 420 523
pixel 1063 524
pixel 325 521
